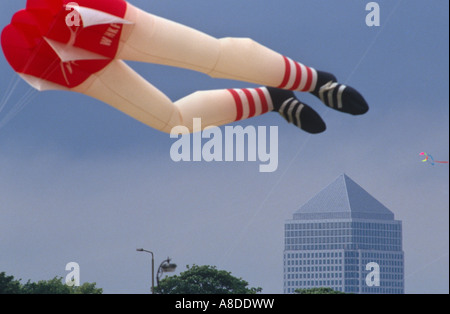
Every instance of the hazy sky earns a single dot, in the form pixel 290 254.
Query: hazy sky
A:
pixel 81 182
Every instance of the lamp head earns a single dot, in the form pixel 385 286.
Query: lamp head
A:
pixel 168 267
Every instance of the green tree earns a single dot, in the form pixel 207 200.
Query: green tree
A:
pixel 204 280
pixel 318 291
pixel 56 286
pixel 8 285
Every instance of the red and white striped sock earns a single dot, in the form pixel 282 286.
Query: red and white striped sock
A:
pixel 298 77
pixel 251 102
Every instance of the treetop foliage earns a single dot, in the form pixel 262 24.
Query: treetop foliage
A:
pixel 9 285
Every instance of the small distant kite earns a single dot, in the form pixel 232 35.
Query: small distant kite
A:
pixel 431 160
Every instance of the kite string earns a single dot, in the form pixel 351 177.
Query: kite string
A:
pixel 18 107
pixel 369 48
pixel 29 95
pixel 9 91
pixel 423 267
pixel 26 98
pixel 266 198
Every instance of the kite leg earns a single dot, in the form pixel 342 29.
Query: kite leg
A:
pixel 122 88
pixel 157 40
pixel 154 39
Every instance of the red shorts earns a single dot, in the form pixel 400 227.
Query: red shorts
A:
pixel 47 41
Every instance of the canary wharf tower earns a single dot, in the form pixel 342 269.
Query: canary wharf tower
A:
pixel 344 239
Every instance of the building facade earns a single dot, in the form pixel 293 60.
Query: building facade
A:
pixel 344 239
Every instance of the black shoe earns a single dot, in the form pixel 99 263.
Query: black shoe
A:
pixel 296 112
pixel 338 96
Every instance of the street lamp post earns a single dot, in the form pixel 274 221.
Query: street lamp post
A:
pixel 165 267
pixel 153 267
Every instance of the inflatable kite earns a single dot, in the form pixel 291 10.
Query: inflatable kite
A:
pixel 80 46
